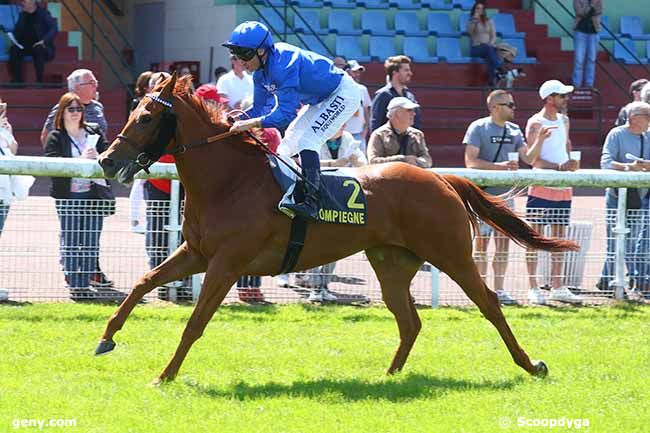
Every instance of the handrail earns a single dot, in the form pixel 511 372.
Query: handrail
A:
pixel 115 27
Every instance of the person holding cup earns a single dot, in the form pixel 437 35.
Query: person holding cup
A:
pixel 549 129
pixel 496 143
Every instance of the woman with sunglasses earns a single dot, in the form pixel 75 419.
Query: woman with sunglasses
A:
pixel 294 77
pixel 81 223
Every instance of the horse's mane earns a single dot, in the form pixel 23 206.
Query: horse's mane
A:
pixel 216 115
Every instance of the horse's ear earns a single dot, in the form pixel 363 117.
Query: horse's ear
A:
pixel 168 90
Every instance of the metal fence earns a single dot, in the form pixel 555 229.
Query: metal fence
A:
pixel 37 267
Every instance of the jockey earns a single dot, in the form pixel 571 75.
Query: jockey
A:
pixel 285 78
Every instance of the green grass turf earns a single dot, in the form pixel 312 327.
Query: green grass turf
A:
pixel 321 369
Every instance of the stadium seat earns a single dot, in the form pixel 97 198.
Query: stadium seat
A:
pixel 381 47
pixel 374 23
pixel 309 22
pixel 463 19
pixel 373 4
pixel 8 16
pixel 340 22
pixel 312 43
pixel 309 3
pixel 448 49
pixel 623 55
pixel 522 57
pixel 632 27
pixel 4 55
pixel 604 34
pixel 274 20
pixel 404 4
pixel 505 26
pixel 647 51
pixel 276 3
pixel 440 5
pixel 463 4
pixel 406 23
pixel 439 24
pixel 417 49
pixel 349 47
pixel 341 4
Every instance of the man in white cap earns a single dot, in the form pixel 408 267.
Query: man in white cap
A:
pixel 359 122
pixel 397 140
pixel 549 129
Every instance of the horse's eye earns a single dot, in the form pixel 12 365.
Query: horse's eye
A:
pixel 145 118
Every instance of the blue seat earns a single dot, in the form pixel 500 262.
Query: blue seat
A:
pixel 505 26
pixel 463 4
pixel 406 23
pixel 522 57
pixel 381 47
pixel 647 51
pixel 309 22
pixel 341 23
pixel 274 20
pixel 276 3
pixel 439 5
pixel 4 56
pixel 349 47
pixel 8 16
pixel 404 4
pixel 448 49
pixel 312 43
pixel 623 55
pixel 374 23
pixel 417 49
pixel 604 24
pixel 309 3
pixel 373 4
pixel 463 19
pixel 439 24
pixel 632 27
pixel 341 4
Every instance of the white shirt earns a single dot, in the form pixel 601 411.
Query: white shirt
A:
pixel 235 88
pixel 356 122
pixel 554 147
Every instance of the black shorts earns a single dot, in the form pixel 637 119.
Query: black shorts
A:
pixel 542 211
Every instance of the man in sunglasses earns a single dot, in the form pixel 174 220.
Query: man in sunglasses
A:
pixel 549 129
pixel 496 143
pixel 285 78
pixel 635 94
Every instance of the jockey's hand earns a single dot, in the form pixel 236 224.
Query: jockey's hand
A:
pixel 245 125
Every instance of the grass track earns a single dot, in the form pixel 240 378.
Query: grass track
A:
pixel 310 369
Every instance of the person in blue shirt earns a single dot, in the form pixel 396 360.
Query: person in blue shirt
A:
pixel 285 79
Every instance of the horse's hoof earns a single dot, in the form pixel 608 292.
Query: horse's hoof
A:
pixel 104 346
pixel 156 382
pixel 541 370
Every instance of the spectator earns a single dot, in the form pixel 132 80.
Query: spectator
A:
pixel 488 144
pixel 549 129
pixel 635 94
pixel 141 88
pixel 358 124
pixel 157 78
pixel 645 93
pixel 585 40
pixel 398 75
pixel 8 146
pixel 630 138
pixel 81 224
pixel 340 62
pixel 209 94
pixel 484 38
pixel 84 84
pixel 397 140
pixel 34 31
pixel 236 84
pixel 218 72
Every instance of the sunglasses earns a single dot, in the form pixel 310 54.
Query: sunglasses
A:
pixel 90 83
pixel 563 95
pixel 510 105
pixel 243 53
pixel 74 109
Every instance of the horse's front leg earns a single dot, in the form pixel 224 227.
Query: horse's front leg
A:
pixel 182 263
pixel 219 278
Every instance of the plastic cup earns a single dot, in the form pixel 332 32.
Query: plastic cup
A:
pixel 513 156
pixel 575 155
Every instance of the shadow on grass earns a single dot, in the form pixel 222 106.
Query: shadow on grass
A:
pixel 411 387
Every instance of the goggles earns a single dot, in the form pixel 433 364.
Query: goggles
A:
pixel 243 53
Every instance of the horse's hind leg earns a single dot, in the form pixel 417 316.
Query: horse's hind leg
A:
pixel 395 268
pixel 468 278
pixel 183 262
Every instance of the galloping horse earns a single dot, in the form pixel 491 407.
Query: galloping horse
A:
pixel 231 227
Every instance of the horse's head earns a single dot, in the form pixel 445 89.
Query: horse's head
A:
pixel 148 134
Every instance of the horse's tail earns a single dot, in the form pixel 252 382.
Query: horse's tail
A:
pixel 494 211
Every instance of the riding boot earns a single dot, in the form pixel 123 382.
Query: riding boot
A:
pixel 309 207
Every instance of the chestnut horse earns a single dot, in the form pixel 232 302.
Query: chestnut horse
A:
pixel 231 226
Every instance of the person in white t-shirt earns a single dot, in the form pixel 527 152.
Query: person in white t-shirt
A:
pixel 237 84
pixel 358 123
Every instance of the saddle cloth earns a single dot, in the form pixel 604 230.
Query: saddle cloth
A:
pixel 342 200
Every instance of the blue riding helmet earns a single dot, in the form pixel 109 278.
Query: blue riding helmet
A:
pixel 250 34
